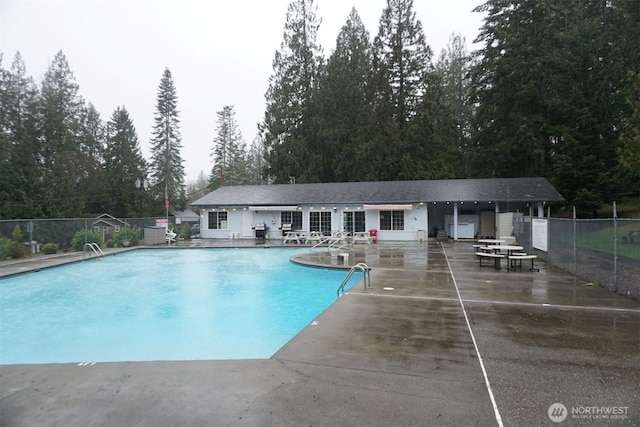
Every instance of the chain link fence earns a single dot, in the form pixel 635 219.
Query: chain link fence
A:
pixel 26 237
pixel 602 251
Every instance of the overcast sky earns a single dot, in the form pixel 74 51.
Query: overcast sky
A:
pixel 219 53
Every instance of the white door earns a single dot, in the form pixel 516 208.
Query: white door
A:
pixel 247 222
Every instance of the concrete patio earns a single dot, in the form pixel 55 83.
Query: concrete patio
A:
pixel 437 340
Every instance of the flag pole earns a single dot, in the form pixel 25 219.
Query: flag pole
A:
pixel 166 209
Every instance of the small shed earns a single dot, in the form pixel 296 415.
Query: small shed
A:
pixel 107 226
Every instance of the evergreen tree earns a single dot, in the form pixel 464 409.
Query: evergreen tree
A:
pixel 629 153
pixel 451 138
pixel 403 56
pixel 198 188
pixel 91 146
pixel 550 87
pixel 125 168
pixel 61 109
pixel 401 77
pixel 228 153
pixel 20 168
pixel 342 104
pixel 256 162
pixel 167 170
pixel 296 66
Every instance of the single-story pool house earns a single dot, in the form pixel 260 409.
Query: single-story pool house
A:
pixel 393 210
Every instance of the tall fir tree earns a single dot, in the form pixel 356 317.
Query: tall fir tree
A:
pixel 228 152
pixel 342 105
pixel 61 110
pixel 550 88
pixel 20 167
pixel 125 168
pixel 450 140
pixel 296 66
pixel 90 158
pixel 166 166
pixel 402 72
pixel 629 152
pixel 256 162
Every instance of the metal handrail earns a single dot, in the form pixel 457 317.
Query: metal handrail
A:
pixel 365 272
pixel 94 247
pixel 332 241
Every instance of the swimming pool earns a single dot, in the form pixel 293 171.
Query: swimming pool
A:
pixel 169 304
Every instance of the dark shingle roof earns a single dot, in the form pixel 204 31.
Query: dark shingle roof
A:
pixel 450 190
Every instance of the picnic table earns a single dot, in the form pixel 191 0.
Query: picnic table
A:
pixel 362 236
pixel 293 237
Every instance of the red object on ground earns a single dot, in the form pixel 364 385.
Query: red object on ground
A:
pixel 373 233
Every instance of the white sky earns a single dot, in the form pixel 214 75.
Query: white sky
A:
pixel 219 53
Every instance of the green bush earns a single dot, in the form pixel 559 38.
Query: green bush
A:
pixel 81 237
pixel 110 243
pixel 133 235
pixel 9 248
pixel 16 236
pixel 49 248
pixel 186 231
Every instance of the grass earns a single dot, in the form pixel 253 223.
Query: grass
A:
pixel 602 240
pixel 625 209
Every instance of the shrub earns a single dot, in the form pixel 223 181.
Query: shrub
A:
pixel 16 235
pixel 186 231
pixel 78 240
pixel 49 248
pixel 9 248
pixel 133 235
pixel 110 243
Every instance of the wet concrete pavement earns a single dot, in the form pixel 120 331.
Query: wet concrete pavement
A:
pixel 451 344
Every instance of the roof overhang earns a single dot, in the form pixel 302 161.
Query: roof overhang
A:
pixel 387 207
pixel 273 208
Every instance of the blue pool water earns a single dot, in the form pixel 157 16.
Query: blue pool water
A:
pixel 162 305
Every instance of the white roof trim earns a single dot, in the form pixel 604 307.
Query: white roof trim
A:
pixel 387 207
pixel 273 208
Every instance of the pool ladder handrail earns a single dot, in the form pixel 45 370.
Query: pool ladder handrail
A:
pixel 365 272
pixel 94 247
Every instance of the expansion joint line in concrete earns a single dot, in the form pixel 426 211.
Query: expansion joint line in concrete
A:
pixel 475 345
pixel 495 302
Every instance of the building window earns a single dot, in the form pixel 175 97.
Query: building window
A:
pixel 391 220
pixel 320 221
pixel 294 218
pixel 354 222
pixel 218 221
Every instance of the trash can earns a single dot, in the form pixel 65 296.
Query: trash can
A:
pixel 421 236
pixel 373 233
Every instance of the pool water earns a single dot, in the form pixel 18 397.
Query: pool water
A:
pixel 144 305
